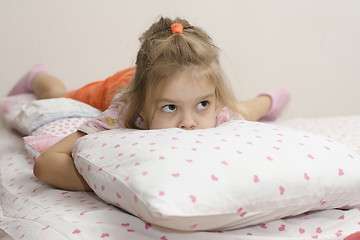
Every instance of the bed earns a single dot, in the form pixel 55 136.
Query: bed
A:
pixel 30 209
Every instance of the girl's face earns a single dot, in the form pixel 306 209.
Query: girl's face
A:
pixel 185 103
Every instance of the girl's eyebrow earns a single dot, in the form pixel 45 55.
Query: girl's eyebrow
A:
pixel 159 100
pixel 167 100
pixel 210 95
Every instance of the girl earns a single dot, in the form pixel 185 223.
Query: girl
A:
pixel 178 82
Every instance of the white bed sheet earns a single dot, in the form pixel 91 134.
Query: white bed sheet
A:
pixel 30 209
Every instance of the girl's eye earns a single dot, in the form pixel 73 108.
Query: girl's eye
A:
pixel 202 105
pixel 169 108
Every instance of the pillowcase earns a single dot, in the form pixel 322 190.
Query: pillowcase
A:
pixel 50 133
pixel 10 106
pixel 61 127
pixel 35 145
pixel 235 175
pixel 49 120
pixel 26 114
pixel 37 113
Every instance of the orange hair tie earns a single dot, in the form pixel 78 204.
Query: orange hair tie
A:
pixel 177 28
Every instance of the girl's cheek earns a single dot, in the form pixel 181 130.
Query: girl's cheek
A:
pixel 160 120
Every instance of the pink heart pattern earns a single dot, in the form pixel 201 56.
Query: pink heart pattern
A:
pixel 213 158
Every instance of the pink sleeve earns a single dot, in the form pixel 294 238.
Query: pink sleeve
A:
pixel 111 118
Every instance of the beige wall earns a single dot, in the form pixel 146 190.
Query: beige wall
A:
pixel 313 47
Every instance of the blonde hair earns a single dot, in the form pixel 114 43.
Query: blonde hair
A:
pixel 163 55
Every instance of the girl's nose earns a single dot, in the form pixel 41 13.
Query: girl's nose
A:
pixel 187 122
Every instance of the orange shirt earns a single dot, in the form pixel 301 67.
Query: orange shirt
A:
pixel 99 94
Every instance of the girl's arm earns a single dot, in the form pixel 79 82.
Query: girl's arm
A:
pixel 256 107
pixel 55 166
pixel 267 106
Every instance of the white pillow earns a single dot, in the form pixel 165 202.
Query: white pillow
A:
pixel 238 174
pixel 39 112
pixel 10 106
pixel 26 114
